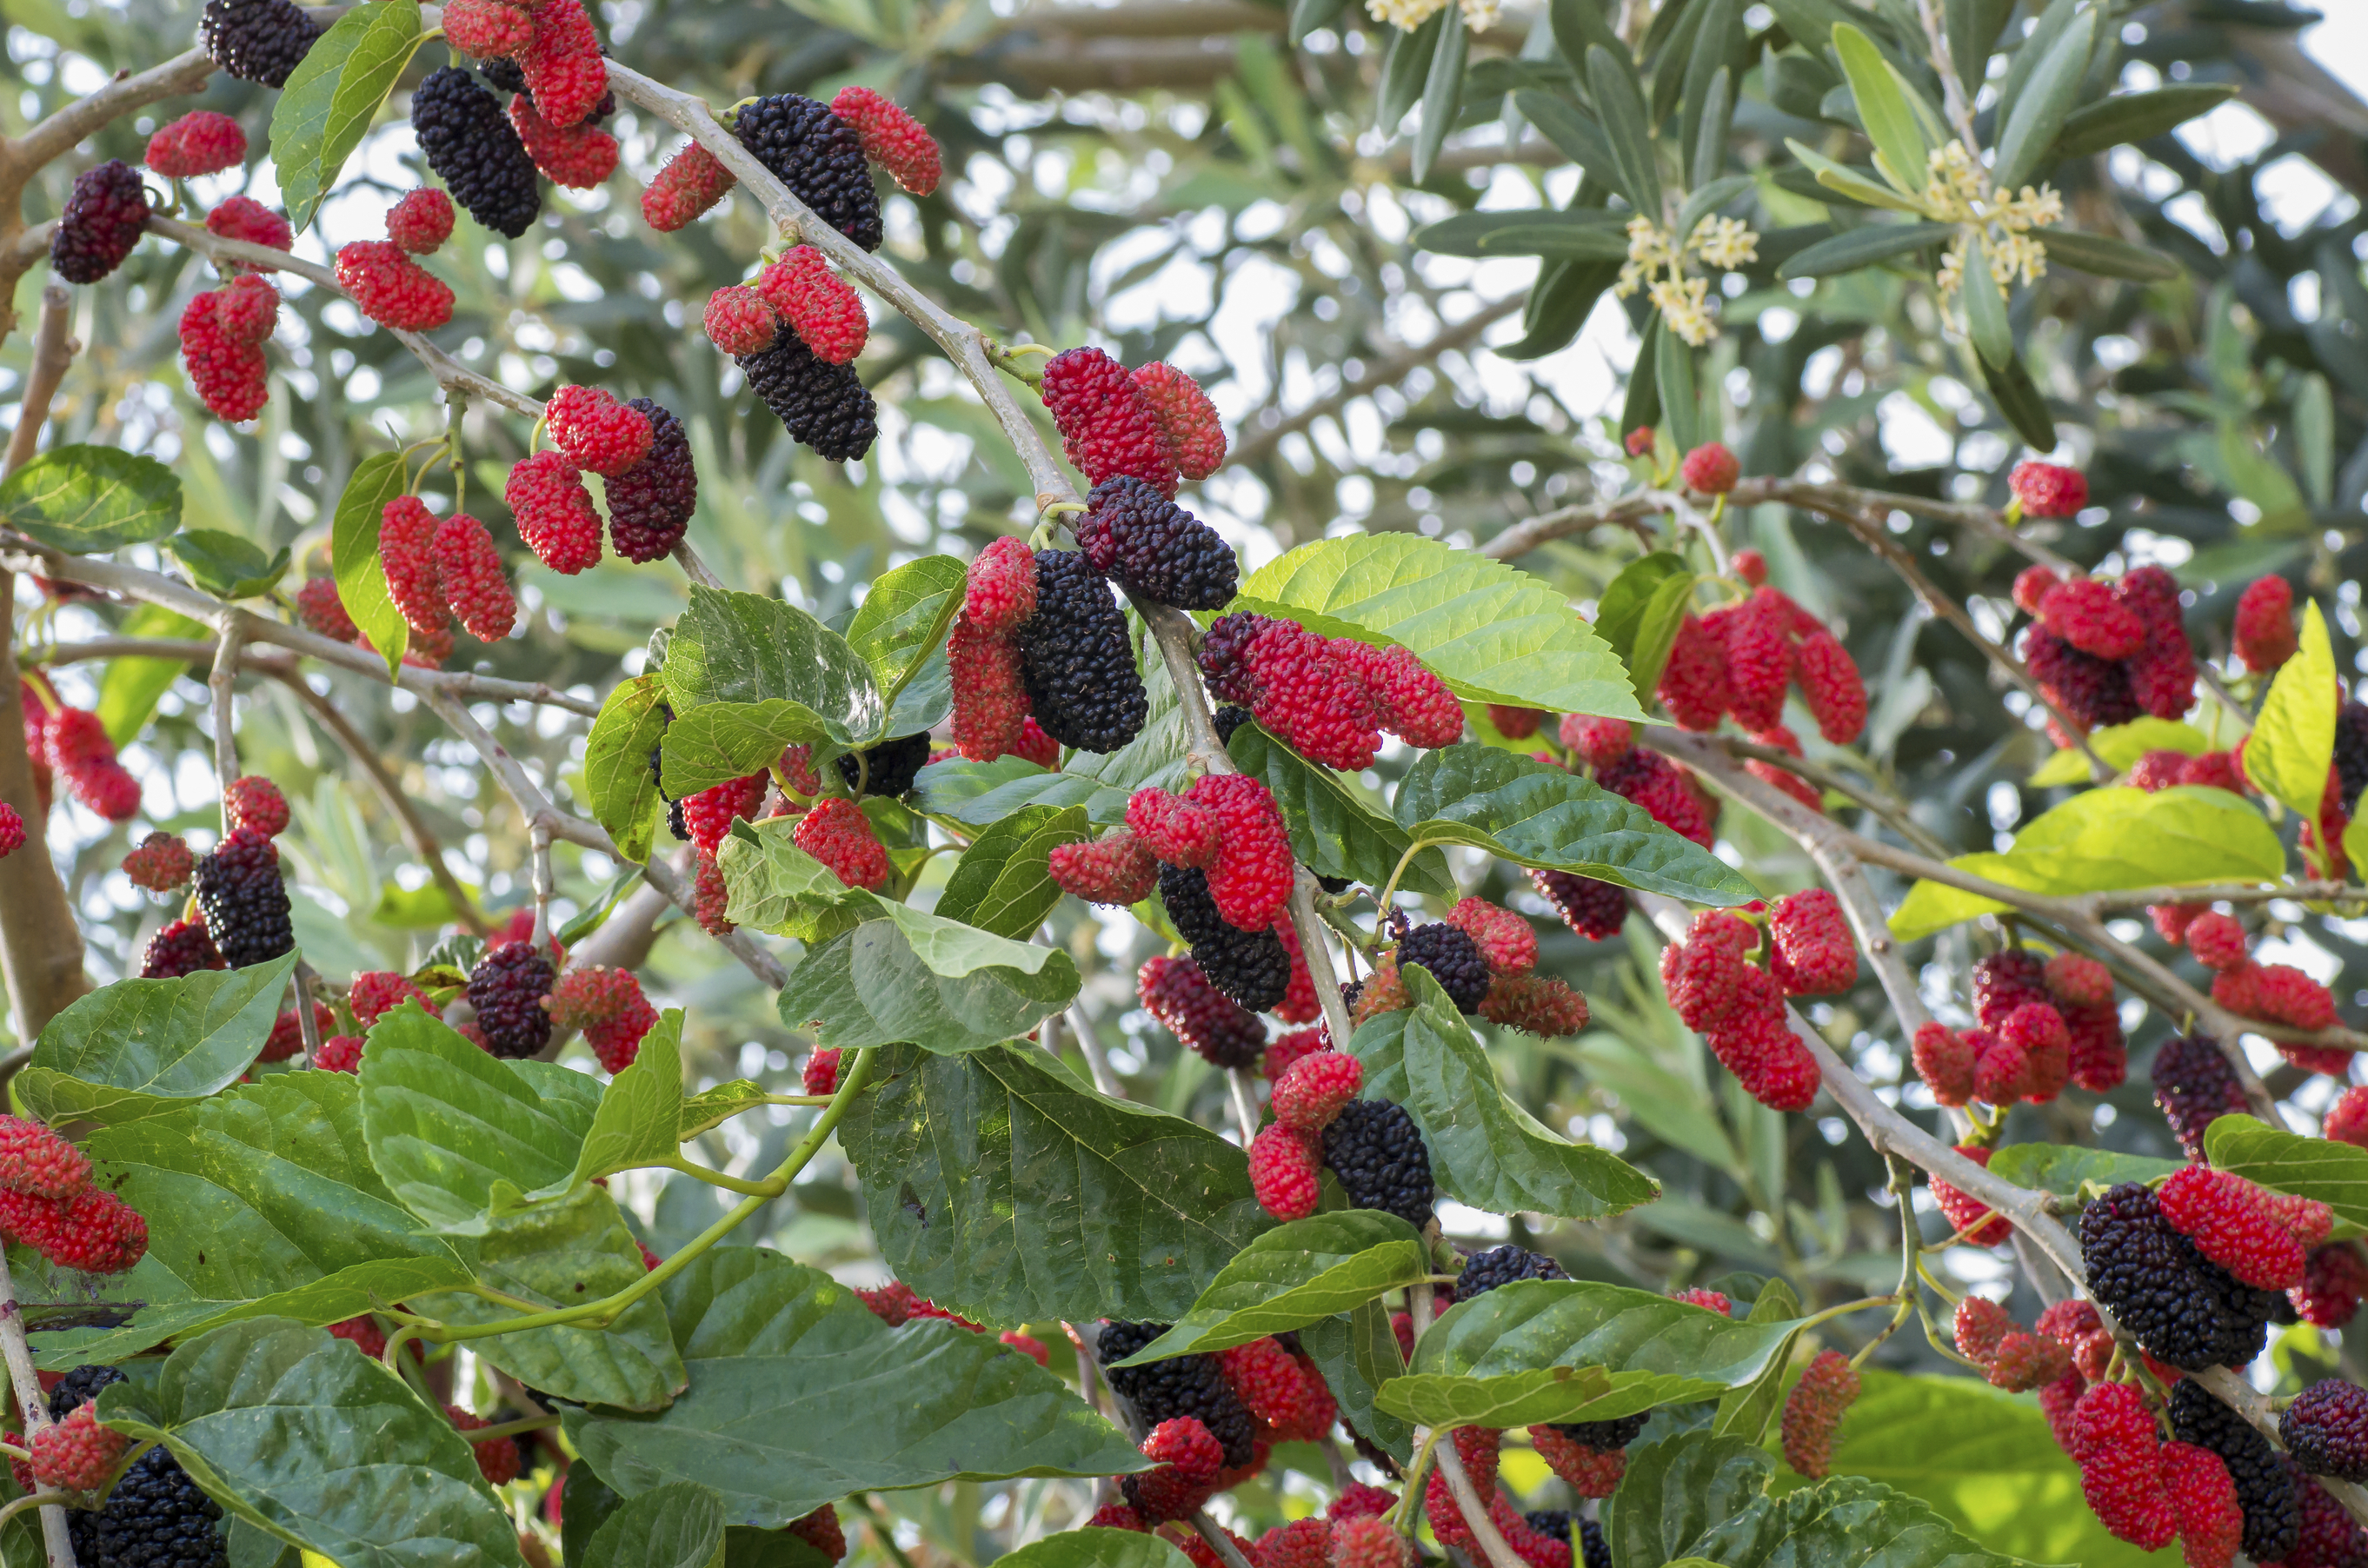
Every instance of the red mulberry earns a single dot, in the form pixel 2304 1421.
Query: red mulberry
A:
pixel 1410 701
pixel 1540 1005
pixel 892 138
pixel 391 289
pixel 2275 993
pixel 1968 1213
pixel 1752 636
pixel 2047 489
pixel 104 217
pixel 1310 1094
pixel 738 321
pixel 1830 685
pixel 1653 782
pixel 1179 832
pixel 2225 1216
pixel 244 219
pixel 1595 910
pixel 1283 1171
pixel 2217 940
pixel 1767 1058
pixel 1815 955
pixel 487 28
pixel 422 220
pixel 1814 1411
pixel 1181 996
pixel 690 184
pixel 556 516
pixel 1291 680
pixel 594 429
pixel 256 803
pixel 1710 469
pixel 1156 549
pixel 319 609
pixel 200 142
pixel 2090 616
pixel 471 574
pixel 1694 681
pixel 579 156
pixel 2326 1429
pixel 1507 940
pixel 822 307
pixel 2333 1281
pixel 999 590
pixel 160 864
pixel 563 64
pixel 1187 415
pixel 223 333
pixel 1107 427
pixel 2265 634
pixel 2162 673
pixel 837 832
pixel 989 701
pixel 406 536
pixel 1600 742
pixel 1114 870
pixel 1944 1060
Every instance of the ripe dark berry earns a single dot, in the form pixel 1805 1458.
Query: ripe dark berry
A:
pixel 2350 753
pixel 2326 1429
pixel 507 989
pixel 1219 1029
pixel 1595 910
pixel 156 1516
pixel 179 949
pixel 824 406
pixel 1651 781
pixel 104 216
pixel 1180 1386
pixel 819 156
pixel 650 504
pixel 1377 1152
pixel 1251 967
pixel 2007 979
pixel 258 40
pixel 2194 1086
pixel 2091 691
pixel 243 901
pixel 2264 1491
pixel 1454 959
pixel 473 149
pixel 1484 1271
pixel 1077 660
pixel 1154 548
pixel 2183 1307
pixel 890 767
pixel 2329 1536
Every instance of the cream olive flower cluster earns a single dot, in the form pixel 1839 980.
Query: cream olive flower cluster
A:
pixel 1657 263
pixel 1407 15
pixel 1956 190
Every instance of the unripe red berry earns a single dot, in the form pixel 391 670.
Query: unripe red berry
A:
pixel 1515 723
pixel 1541 1005
pixel 1639 441
pixel 2031 585
pixel 2076 978
pixel 498 1461
pixel 1310 1094
pixel 1179 832
pixel 470 569
pixel 1750 566
pixel 1253 871
pixel 391 289
pixel 1410 701
pixel 200 142
pixel 2090 616
pixel 488 29
pixel 990 697
pixel 1505 939
pixel 892 138
pixel 2047 489
pixel 1106 425
pixel 2265 635
pixel 1598 743
pixel 319 609
pixel 1814 1411
pixel 690 184
pixel 1114 870
pixel 1694 680
pixel 556 515
pixel 1711 469
pixel 2217 940
pixel 1968 1213
pixel 837 832
pixel 1944 1060
pixel 2204 1497
pixel 2225 1217
pixel 1187 415
pixel 596 431
pixel 1830 685
pixel 422 220
pixel 255 802
pixel 562 63
pixel 2346 1118
pixel 1814 954
pixel 77 1453
pixel 738 321
pixel 1000 588
pixel 244 218
pixel 579 156
pixel 1285 1163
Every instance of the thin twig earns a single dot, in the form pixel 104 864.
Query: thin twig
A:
pixel 220 684
pixel 33 1408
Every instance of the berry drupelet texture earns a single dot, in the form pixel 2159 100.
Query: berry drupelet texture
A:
pixel 2264 627
pixel 1711 469
pixel 1251 967
pixel 1284 1172
pixel 1595 910
pixel 1077 660
pixel 555 516
pixel 1107 427
pixel 1187 417
pixel 837 832
pixel 470 569
pixel 596 431
pixel 578 156
pixel 1180 1386
pixel 2048 489
pixel 826 406
pixel 819 156
pixel 506 988
pixel 892 138
pixel 889 768
pixel 391 289
pixel 650 504
pixel 562 65
pixel 738 321
pixel 473 149
pixel 1453 959
pixel 421 222
pixel 2326 1429
pixel 181 947
pixel 242 900
pixel 2183 1307
pixel 1190 1006
pixel 258 40
pixel 1252 873
pixel 406 530
pixel 202 142
pixel 819 306
pixel 155 1517
pixel 2265 1492
pixel 1814 1411
pixel 1154 548
pixel 689 186
pixel 1377 1152
pixel 102 221
pixel 1484 1271
pixel 322 610
pixel 2195 1085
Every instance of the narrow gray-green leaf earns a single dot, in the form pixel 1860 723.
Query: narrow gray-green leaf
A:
pixel 1841 178
pixel 1442 94
pixel 1292 1275
pixel 2108 258
pixel 1580 138
pixel 2045 102
pixel 1003 1189
pixel 679 1525
pixel 1333 831
pixel 1003 883
pixel 1673 374
pixel 2134 117
pixel 142 1047
pixel 1854 248
pixel 1898 134
pixel 88 500
pixel 1404 70
pixel 1709 153
pixel 1544 816
pixel 798 1396
pixel 1986 312
pixel 293 1430
pixel 332 96
pixel 1627 125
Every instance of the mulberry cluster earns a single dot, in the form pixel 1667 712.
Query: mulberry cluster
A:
pixel 650 504
pixel 823 405
pixel 2012 1358
pixel 1378 1153
pixel 1077 660
pixel 391 289
pixel 258 40
pixel 507 989
pixel 2155 675
pixel 1329 698
pixel 2266 1494
pixel 1228 825
pixel 1739 1010
pixel 1595 910
pixel 202 142
pixel 819 156
pixel 1178 1387
pixel 1738 659
pixel 1814 1411
pixel 1154 547
pixel 688 187
pixel 892 138
pixel 2264 631
pixel 155 1517
pixel 2183 1307
pixel 48 1203
pixel 820 306
pixel 104 216
pixel 243 901
pixel 473 149
pixel 181 947
pixel 1107 424
pixel 1251 967
pixel 1183 1000
pixel 223 332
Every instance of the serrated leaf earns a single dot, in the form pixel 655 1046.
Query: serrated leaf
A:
pixel 143 1047
pixel 905 616
pixel 353 555
pixel 1003 883
pixel 1492 632
pixel 1333 831
pixel 292 1429
pixel 565 1253
pixel 618 785
pixel 1294 1275
pixel 713 1108
pixel 2105 839
pixel 1639 614
pixel 877 985
pixel 1485 1149
pixel 732 647
pixel 1003 1189
pixel 2292 742
pixel 226 565
pixel 1539 815
pixel 1574 1350
pixel 88 500
pixel 445 1122
pixel 772 885
pixel 2045 101
pixel 2329 1169
pixel 331 97
pixel 2133 116
pixel 2062 1168
pixel 1095 1548
pixel 679 1525
pixel 1882 99
pixel 798 1396
pixel 641 1114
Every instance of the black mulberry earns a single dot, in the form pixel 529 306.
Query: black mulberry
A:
pixel 819 156
pixel 2326 1429
pixel 475 151
pixel 182 947
pixel 650 504
pixel 1453 959
pixel 1484 1271
pixel 507 989
pixel 824 406
pixel 1180 1386
pixel 1595 910
pixel 258 40
pixel 1605 1436
pixel 1592 1549
pixel 1377 1152
pixel 2351 752
pixel 1251 967
pixel 2328 1537
pixel 890 767
pixel 243 901
pixel 155 1518
pixel 1154 548
pixel 2091 691
pixel 2180 1305
pixel 2264 1491
pixel 1227 720
pixel 104 216
pixel 2195 1086
pixel 1077 660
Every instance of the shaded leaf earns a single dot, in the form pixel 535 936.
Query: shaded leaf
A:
pixel 903 618
pixel 1095 1548
pixel 2133 116
pixel 1854 248
pixel 619 786
pixel 1358 1353
pixel 1003 883
pixel 228 566
pixel 677 1526
pixel 2062 1168
pixel 88 500
pixel 1293 1275
pixel 2039 111
pixel 874 985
